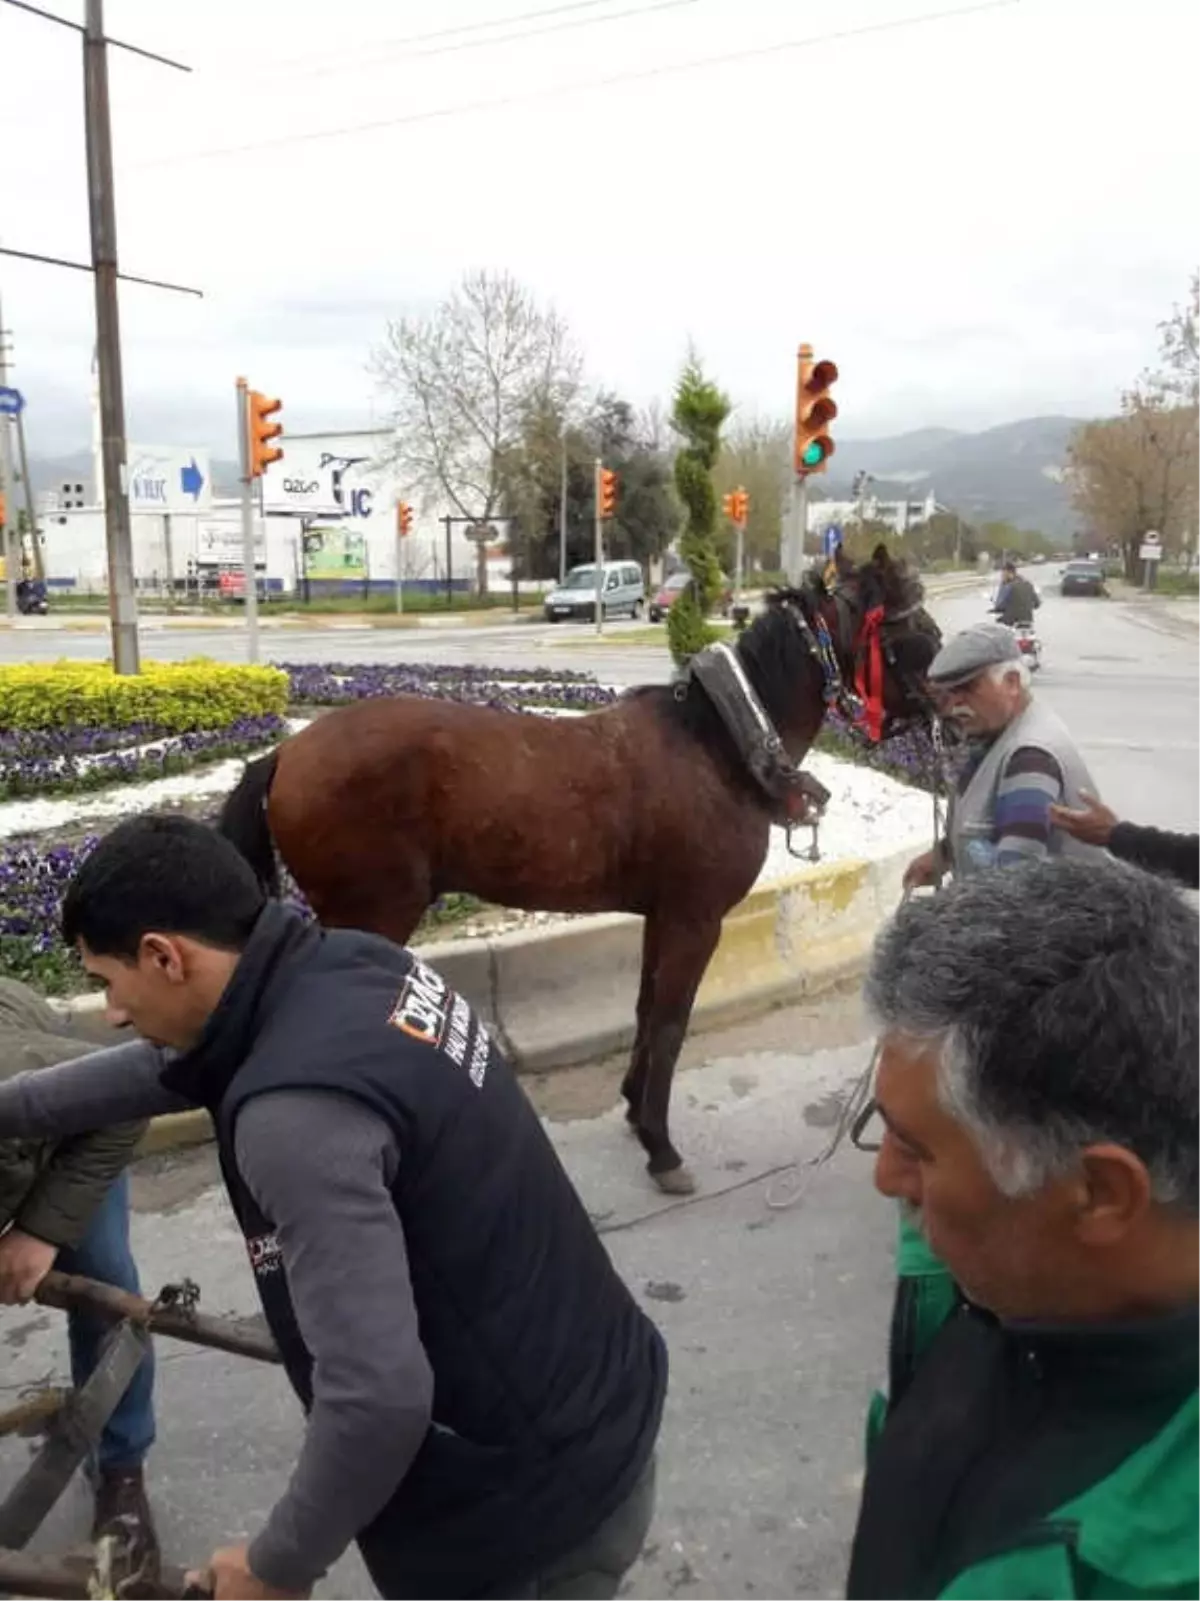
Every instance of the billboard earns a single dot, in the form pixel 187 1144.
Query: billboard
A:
pixel 334 553
pixel 164 479
pixel 314 481
pixel 219 544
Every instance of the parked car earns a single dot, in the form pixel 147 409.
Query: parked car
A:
pixel 1083 578
pixel 575 599
pixel 675 585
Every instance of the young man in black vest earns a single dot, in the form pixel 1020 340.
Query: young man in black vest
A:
pixel 483 1393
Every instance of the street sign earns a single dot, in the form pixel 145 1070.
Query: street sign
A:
pixel 163 479
pixel 1149 552
pixel 12 402
pixel 832 539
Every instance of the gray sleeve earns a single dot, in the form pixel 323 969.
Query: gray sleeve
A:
pixel 321 1167
pixel 116 1085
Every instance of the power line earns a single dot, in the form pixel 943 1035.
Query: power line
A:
pixel 508 38
pixel 501 102
pixel 372 51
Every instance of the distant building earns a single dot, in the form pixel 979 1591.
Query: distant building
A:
pixel 899 515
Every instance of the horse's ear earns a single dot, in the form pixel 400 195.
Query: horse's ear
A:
pixel 881 558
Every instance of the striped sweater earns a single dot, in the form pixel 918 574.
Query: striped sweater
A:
pixel 1031 783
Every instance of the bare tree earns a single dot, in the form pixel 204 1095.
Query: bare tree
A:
pixel 462 383
pixel 1137 472
pixel 1177 379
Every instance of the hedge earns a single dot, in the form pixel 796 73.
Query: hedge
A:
pixel 176 697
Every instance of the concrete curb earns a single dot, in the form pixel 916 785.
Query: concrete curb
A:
pixel 560 997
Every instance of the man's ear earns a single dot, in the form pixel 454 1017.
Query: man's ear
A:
pixel 1113 1195
pixel 165 955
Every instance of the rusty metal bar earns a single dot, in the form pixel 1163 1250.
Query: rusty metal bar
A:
pixel 67 1291
pixel 74 1433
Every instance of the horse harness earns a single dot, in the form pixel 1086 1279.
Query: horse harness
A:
pixel 796 797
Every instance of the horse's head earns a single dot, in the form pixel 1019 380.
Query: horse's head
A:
pixel 872 618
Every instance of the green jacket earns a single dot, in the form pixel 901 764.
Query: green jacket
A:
pixel 51 1188
pixel 1130 1537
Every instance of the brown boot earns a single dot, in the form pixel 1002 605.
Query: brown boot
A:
pixel 123 1511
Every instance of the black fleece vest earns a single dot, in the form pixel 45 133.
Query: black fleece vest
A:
pixel 549 1380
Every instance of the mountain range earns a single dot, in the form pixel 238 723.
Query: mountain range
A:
pixel 1013 473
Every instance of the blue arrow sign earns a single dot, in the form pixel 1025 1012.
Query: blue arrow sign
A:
pixel 833 539
pixel 191 480
pixel 12 402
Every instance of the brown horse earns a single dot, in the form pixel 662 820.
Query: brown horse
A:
pixel 647 806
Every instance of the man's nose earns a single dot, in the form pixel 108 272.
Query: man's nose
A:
pixel 116 1016
pixel 896 1176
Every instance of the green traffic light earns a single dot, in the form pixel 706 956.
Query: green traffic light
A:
pixel 814 454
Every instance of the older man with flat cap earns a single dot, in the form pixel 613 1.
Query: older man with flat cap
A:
pixel 1021 762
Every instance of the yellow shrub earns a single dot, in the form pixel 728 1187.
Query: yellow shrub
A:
pixel 174 696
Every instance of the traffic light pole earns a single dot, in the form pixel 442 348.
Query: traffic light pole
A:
pixel 599 552
pixel 8 491
pixel 793 565
pixel 249 572
pixel 399 561
pixel 102 216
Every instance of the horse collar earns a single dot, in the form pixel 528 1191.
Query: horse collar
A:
pixel 796 798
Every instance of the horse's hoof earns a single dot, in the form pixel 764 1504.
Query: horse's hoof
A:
pixel 675 1181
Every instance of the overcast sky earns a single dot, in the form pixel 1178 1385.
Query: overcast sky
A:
pixel 978 218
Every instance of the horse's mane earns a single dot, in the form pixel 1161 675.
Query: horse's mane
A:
pixel 772 649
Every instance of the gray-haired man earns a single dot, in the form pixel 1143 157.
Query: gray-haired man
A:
pixel 1038 1089
pixel 1022 761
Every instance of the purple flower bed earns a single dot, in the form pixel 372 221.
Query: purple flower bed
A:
pixel 50 761
pixel 33 881
pixel 908 756
pixel 507 689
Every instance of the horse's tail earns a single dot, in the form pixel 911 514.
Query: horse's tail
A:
pixel 243 820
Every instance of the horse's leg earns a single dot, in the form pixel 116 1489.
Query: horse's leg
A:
pixel 633 1086
pixel 683 951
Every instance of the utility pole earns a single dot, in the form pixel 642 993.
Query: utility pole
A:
pixel 599 550
pixel 562 516
pixel 102 215
pixel 169 560
pixel 8 487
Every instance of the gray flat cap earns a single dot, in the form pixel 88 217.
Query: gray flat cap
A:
pixel 972 652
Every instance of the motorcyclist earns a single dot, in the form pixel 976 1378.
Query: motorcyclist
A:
pixel 1016 599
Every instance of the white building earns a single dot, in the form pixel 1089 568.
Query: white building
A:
pixel 899 515
pixel 327 522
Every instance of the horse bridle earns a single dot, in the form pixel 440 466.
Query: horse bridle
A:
pixel 855 642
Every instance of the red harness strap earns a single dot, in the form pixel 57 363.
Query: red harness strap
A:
pixel 869 673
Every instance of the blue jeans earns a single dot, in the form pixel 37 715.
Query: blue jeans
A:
pixel 104 1254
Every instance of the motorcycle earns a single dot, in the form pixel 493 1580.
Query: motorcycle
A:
pixel 31 598
pixel 1028 644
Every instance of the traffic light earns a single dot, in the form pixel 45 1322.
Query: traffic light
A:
pixel 741 507
pixel 815 410
pixel 729 505
pixel 403 518
pixel 608 491
pixel 260 408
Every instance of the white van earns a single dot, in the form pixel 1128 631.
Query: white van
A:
pixel 624 593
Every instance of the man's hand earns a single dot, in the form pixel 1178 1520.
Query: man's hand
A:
pixel 228 1577
pixel 921 872
pixel 1092 824
pixel 24 1263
